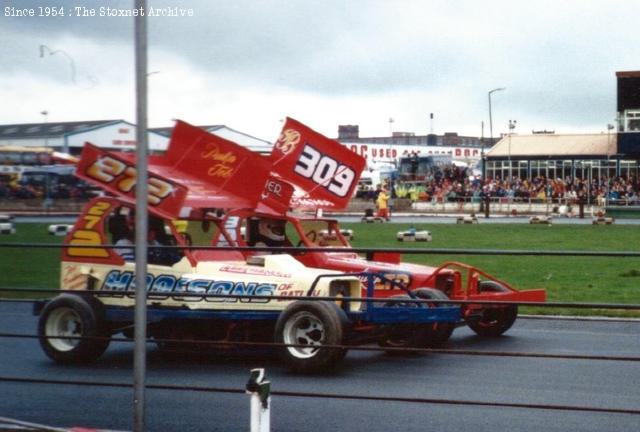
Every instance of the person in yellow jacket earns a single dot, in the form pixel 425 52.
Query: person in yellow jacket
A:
pixel 383 203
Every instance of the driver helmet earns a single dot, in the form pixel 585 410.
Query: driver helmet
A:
pixel 273 229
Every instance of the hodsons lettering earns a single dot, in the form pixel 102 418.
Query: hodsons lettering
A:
pixel 124 281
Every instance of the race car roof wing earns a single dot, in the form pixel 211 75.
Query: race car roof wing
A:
pixel 218 173
pixel 199 170
pixel 117 175
pixel 323 170
pixel 202 170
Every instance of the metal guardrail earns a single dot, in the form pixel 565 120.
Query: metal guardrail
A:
pixel 367 251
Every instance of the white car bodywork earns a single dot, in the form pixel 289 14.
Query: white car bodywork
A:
pixel 6 225
pixel 413 235
pixel 346 233
pixel 182 285
pixel 59 229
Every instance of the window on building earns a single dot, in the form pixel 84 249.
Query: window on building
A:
pixel 539 168
pixel 578 170
pixel 551 169
pixel 523 169
pixel 629 168
pixel 567 170
pixel 633 121
pixel 608 168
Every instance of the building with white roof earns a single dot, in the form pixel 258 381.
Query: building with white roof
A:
pixel 69 137
pixel 613 153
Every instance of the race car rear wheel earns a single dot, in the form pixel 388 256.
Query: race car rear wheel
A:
pixel 305 327
pixel 493 321
pixel 436 334
pixel 71 329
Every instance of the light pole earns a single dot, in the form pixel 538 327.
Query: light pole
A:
pixel 491 120
pixel 482 172
pixel 512 126
pixel 142 222
pixel 490 117
pixel 45 114
pixel 606 196
pixel 391 120
pixel 47 184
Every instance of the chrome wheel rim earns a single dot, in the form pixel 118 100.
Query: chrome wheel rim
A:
pixel 306 330
pixel 63 326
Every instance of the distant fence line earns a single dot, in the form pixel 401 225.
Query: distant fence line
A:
pixel 499 205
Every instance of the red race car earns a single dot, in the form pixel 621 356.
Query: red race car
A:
pixel 310 171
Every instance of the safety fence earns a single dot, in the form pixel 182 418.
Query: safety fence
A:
pixel 566 207
pixel 466 204
pixel 195 346
pixel 506 205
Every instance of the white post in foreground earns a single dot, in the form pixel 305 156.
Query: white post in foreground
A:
pixel 260 401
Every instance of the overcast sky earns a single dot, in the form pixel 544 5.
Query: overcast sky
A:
pixel 248 64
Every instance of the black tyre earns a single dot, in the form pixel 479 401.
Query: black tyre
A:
pixel 493 321
pixel 67 317
pixel 404 335
pixel 437 334
pixel 310 325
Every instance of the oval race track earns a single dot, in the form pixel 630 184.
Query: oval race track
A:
pixel 418 393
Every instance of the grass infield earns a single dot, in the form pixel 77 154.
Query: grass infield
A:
pixel 566 279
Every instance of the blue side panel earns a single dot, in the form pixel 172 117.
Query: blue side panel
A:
pixel 392 315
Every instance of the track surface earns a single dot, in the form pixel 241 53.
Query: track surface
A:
pixel 443 377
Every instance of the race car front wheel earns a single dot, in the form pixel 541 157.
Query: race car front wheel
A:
pixel 71 329
pixel 493 320
pixel 305 328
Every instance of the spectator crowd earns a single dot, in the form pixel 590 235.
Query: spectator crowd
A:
pixel 454 184
pixel 447 184
pixel 16 190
